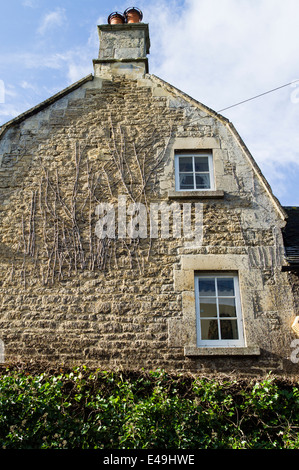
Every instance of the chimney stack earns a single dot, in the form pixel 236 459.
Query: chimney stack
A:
pixel 124 45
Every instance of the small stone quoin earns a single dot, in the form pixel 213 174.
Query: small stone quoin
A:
pixel 130 15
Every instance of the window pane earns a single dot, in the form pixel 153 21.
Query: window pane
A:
pixel 208 307
pixel 226 287
pixel 186 181
pixel 185 164
pixel 201 164
pixel 227 308
pixel 209 329
pixel 229 329
pixel 206 287
pixel 202 181
pixel 218 310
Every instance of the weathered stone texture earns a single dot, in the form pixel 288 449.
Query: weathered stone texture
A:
pixel 69 298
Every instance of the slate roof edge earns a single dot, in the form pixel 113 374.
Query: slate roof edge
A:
pixel 291 231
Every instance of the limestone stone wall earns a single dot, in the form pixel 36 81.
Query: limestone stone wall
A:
pixel 69 297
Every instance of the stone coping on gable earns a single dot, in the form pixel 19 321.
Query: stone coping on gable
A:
pixel 45 104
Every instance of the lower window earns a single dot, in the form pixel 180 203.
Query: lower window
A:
pixel 218 310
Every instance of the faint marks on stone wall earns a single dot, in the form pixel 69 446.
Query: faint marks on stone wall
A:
pixel 2 351
pixel 265 257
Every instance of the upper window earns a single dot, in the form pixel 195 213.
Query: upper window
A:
pixel 194 171
pixel 218 310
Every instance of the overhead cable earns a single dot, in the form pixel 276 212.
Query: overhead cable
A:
pixel 258 96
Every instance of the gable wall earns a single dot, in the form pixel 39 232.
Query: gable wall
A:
pixel 69 297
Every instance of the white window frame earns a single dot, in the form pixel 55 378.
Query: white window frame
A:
pixel 225 342
pixel 193 154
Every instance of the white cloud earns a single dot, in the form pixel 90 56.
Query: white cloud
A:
pixel 32 60
pixel 30 3
pixel 51 20
pixel 76 72
pixel 9 111
pixel 28 86
pixel 2 91
pixel 10 91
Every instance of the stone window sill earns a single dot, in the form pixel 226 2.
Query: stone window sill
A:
pixel 195 194
pixel 206 351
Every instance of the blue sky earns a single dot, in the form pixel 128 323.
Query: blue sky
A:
pixel 220 52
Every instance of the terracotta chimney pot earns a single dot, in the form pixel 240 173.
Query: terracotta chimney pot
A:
pixel 116 18
pixel 133 15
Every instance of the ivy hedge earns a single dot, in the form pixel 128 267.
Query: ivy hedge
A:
pixel 84 409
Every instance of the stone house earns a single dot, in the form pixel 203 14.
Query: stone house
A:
pixel 137 231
